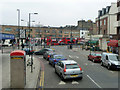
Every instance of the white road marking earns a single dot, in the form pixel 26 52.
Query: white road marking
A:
pixel 77 57
pixel 86 64
pixel 40 57
pixel 75 82
pixel 111 71
pixel 70 56
pixel 62 83
pixel 93 81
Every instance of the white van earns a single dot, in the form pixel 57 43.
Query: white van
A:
pixel 110 60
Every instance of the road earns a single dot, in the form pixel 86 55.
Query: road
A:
pixel 94 75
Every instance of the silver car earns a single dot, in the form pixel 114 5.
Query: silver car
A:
pixel 68 69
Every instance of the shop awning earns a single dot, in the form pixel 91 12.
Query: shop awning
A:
pixel 113 43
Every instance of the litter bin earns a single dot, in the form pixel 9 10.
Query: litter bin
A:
pixel 17 69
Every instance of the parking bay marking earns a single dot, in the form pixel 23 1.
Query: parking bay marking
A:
pixel 93 81
pixel 62 83
pixel 75 82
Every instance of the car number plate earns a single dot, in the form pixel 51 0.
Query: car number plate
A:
pixel 118 66
pixel 73 75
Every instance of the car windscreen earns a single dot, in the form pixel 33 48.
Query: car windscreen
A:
pixel 71 66
pixel 113 57
pixel 59 57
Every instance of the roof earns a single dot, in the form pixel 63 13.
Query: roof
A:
pixel 109 53
pixel 17 53
pixel 69 62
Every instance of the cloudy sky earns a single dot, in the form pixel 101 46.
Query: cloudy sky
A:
pixel 51 12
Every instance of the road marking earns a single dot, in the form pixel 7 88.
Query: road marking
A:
pixel 70 56
pixel 42 79
pixel 75 82
pixel 77 57
pixel 111 71
pixel 40 57
pixel 93 81
pixel 62 83
pixel 86 64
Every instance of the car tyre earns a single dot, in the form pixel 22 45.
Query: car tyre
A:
pixel 81 78
pixel 55 71
pixel 94 60
pixel 109 67
pixel 49 62
pixel 88 58
pixel 61 76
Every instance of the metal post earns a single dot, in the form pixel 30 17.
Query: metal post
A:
pixel 29 31
pixel 18 26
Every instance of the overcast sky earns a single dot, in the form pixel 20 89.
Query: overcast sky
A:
pixel 51 12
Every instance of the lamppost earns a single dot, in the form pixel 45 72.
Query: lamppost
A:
pixel 18 26
pixel 29 41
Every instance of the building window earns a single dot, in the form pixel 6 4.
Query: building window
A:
pixel 53 31
pixel 66 35
pixel 60 31
pixel 8 29
pixel 66 32
pixel 104 22
pixel 104 32
pixel 60 35
pixel 36 30
pixel 97 24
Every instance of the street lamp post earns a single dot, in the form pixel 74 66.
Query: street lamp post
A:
pixel 29 42
pixel 18 26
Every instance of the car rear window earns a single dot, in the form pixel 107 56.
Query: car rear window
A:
pixel 71 66
pixel 97 54
pixel 59 57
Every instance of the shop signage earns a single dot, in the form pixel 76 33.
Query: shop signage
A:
pixel 119 43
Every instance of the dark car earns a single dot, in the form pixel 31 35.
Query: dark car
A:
pixel 55 59
pixel 47 54
pixel 95 57
pixel 28 51
pixel 42 51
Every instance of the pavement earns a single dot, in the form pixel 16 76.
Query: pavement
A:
pixel 31 78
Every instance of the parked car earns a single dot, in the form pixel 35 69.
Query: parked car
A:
pixel 68 69
pixel 55 58
pixel 28 51
pixel 110 60
pixel 42 51
pixel 95 57
pixel 47 54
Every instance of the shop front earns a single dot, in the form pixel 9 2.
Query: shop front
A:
pixel 112 46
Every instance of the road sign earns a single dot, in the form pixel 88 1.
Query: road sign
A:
pixel 32 42
pixel 119 43
pixel 22 33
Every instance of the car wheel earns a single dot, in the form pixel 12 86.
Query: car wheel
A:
pixel 81 78
pixel 49 62
pixel 109 67
pixel 61 76
pixel 55 71
pixel 88 58
pixel 94 60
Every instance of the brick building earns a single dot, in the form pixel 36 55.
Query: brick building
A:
pixel 39 32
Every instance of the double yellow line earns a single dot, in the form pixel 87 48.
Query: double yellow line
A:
pixel 42 79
